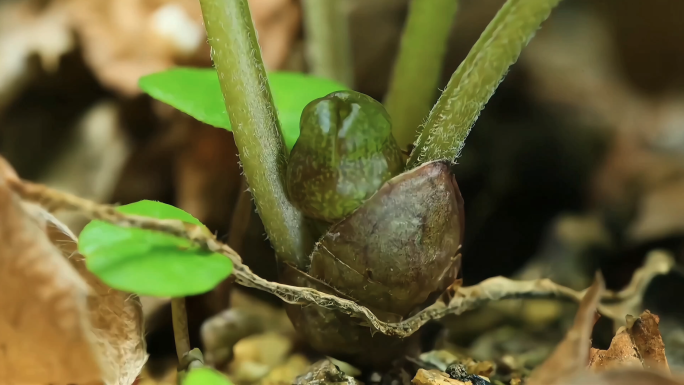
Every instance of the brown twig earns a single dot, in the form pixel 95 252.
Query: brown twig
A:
pixel 461 299
pixel 179 316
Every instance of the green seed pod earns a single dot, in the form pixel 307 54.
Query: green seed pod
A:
pixel 345 152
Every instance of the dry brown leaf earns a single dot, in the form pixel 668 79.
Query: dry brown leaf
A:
pixel 126 39
pixel 648 341
pixel 115 316
pixel 571 354
pixel 639 345
pixel 116 325
pixel 621 353
pixel 44 328
pixel 123 40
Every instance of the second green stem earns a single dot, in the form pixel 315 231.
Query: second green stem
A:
pixel 328 40
pixel 476 79
pixel 413 86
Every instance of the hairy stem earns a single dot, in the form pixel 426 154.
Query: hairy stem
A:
pixel 476 79
pixel 418 69
pixel 327 37
pixel 179 316
pixel 249 103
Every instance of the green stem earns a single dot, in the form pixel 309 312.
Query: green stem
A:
pixel 249 103
pixel 477 78
pixel 413 86
pixel 328 42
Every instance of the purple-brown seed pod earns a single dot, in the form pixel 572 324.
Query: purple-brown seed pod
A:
pixel 395 255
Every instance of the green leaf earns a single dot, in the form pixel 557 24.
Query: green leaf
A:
pixel 196 91
pixel 205 376
pixel 148 262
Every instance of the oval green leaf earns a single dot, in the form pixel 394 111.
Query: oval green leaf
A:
pixel 205 376
pixel 196 91
pixel 148 262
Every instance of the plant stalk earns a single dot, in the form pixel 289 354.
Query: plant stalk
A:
pixel 256 128
pixel 179 317
pixel 413 86
pixel 328 42
pixel 476 79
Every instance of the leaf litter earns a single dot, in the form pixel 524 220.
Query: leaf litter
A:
pixel 569 360
pixel 52 303
pixel 655 208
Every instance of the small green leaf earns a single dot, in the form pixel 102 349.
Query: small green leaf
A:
pixel 196 91
pixel 148 262
pixel 205 376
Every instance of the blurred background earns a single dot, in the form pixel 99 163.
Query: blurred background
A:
pixel 576 163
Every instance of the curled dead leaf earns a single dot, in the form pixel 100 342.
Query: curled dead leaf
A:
pixel 45 333
pixel 114 318
pixel 639 345
pixel 621 354
pixel 126 39
pixel 571 355
pixel 648 341
pixel 634 353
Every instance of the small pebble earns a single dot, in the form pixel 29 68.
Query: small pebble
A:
pixel 459 372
